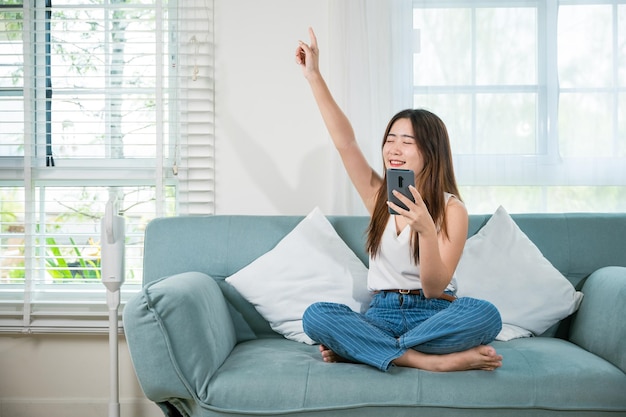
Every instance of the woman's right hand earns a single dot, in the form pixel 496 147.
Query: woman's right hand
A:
pixel 307 56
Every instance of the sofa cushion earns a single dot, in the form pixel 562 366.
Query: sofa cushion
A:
pixel 500 264
pixel 279 376
pixel 311 263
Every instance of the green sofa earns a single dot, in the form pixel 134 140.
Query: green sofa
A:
pixel 200 349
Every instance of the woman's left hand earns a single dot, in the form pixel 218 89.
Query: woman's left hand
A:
pixel 417 215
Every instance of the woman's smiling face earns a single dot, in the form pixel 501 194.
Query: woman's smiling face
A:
pixel 400 149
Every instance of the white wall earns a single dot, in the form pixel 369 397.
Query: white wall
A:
pixel 65 376
pixel 273 157
pixel 273 154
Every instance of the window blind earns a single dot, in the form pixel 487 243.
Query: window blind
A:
pixel 105 97
pixel 196 154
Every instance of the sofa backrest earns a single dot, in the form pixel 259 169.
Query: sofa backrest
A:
pixel 576 244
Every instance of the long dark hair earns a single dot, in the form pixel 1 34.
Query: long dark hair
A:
pixel 437 177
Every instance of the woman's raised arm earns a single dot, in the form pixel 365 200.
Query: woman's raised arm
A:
pixel 363 177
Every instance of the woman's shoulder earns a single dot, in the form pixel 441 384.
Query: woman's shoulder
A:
pixel 455 209
pixel 452 199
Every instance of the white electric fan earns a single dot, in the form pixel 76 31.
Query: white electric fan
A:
pixel 112 273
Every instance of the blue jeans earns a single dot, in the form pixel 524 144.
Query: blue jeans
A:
pixel 396 322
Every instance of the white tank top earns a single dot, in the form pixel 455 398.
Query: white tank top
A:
pixel 394 267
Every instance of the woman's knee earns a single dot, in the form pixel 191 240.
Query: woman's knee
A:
pixel 488 313
pixel 317 315
pixel 316 309
pixel 491 319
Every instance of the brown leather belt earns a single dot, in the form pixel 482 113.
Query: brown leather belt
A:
pixel 443 296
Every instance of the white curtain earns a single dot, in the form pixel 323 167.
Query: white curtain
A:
pixel 369 72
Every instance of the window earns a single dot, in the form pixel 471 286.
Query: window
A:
pixel 98 99
pixel 534 97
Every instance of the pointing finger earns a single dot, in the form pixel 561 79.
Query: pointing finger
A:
pixel 313 39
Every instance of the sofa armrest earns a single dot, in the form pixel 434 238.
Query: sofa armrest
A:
pixel 179 332
pixel 598 324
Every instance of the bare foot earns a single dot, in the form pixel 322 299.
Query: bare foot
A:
pixel 480 358
pixel 330 356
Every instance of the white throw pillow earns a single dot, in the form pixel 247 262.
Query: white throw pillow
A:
pixel 310 264
pixel 502 265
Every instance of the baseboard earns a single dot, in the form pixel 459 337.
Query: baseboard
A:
pixel 79 407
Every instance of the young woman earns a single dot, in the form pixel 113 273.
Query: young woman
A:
pixel 414 319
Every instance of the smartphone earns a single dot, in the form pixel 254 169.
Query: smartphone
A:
pixel 399 179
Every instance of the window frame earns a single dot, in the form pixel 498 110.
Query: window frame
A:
pixel 547 167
